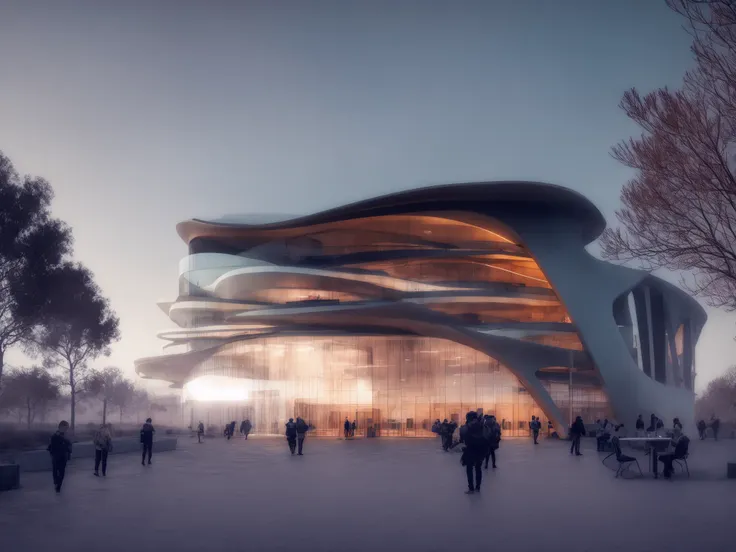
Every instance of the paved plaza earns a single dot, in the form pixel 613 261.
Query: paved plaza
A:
pixel 370 495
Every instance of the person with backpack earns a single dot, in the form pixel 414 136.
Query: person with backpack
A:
pixel 301 432
pixel 471 434
pixel 291 435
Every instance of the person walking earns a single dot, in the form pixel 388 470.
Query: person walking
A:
pixel 60 449
pixel 445 434
pixel 701 429
pixel 353 427
pixel 200 432
pixel 600 432
pixel 301 432
pixel 715 425
pixel 535 427
pixel 346 427
pixel 492 434
pixel 103 446
pixel 247 428
pixel 291 435
pixel 471 434
pixel 147 432
pixel 577 430
pixel 242 427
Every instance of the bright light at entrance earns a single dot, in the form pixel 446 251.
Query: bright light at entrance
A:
pixel 216 389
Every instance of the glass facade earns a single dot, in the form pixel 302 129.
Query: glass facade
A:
pixel 390 385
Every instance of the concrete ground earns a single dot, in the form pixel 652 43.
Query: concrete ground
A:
pixel 371 495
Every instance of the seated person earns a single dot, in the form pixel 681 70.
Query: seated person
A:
pixel 680 442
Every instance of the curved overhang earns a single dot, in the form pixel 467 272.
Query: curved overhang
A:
pixel 535 198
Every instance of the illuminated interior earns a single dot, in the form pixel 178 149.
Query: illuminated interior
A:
pixel 475 274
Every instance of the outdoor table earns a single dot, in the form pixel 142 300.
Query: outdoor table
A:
pixel 650 441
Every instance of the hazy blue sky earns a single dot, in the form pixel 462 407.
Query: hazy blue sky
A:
pixel 142 114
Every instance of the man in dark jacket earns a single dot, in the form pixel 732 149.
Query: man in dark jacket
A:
pixel 492 434
pixel 147 432
pixel 576 432
pixel 471 434
pixel 291 435
pixel 247 427
pixel 60 449
pixel 301 432
pixel 346 427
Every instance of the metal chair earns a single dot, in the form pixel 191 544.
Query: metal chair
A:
pixel 682 462
pixel 623 461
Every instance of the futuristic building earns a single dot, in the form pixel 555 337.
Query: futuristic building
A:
pixel 424 304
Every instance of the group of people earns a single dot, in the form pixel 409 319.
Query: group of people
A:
pixel 60 449
pixel 715 425
pixel 445 430
pixel 349 428
pixel 481 436
pixel 229 431
pixel 296 432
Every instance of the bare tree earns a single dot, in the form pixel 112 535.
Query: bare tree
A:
pixel 719 398
pixel 123 396
pixel 102 385
pixel 679 210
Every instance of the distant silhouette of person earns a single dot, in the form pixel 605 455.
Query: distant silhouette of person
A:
pixel 291 435
pixel 492 434
pixel 652 424
pixel 639 426
pixel 577 430
pixel 301 432
pixel 242 427
pixel 353 427
pixel 200 432
pixel 231 430
pixel 715 425
pixel 535 426
pixel 346 426
pixel 701 429
pixel 471 434
pixel 103 446
pixel 676 424
pixel 60 449
pixel 247 428
pixel 549 428
pixel 147 432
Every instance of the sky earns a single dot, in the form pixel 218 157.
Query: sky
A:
pixel 144 114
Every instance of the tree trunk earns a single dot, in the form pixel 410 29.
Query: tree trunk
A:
pixel 121 414
pixel 73 393
pixel 2 363
pixel 104 411
pixel 73 405
pixel 28 412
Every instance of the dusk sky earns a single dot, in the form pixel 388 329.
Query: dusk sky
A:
pixel 143 114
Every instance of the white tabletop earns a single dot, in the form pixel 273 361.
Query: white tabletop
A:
pixel 644 439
